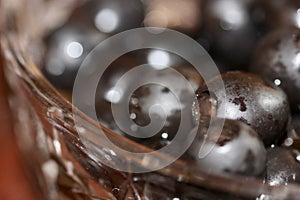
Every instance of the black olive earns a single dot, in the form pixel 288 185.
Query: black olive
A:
pixel 89 24
pixel 66 49
pixel 282 167
pixel 229 32
pixel 277 59
pixel 169 103
pixel 253 101
pixel 237 149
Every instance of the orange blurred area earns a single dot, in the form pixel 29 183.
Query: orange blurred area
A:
pixel 14 184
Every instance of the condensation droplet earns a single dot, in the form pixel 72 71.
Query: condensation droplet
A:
pixel 132 116
pixel 107 157
pixel 180 178
pixel 54 111
pixel 134 101
pixel 288 142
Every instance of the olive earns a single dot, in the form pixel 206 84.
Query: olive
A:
pixel 151 102
pixel 277 59
pixel 67 47
pixel 229 32
pixel 237 149
pixel 275 14
pixel 251 100
pixel 282 167
pixel 88 25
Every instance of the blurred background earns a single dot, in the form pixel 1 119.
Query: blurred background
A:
pixel 14 183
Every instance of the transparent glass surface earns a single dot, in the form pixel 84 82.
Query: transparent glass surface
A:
pixel 60 165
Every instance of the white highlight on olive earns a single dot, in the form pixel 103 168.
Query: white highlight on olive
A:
pixel 107 20
pixel 231 13
pixel 277 82
pixel 74 49
pixel 159 59
pixel 114 95
pixel 268 101
pixel 297 18
pixel 288 141
pixel 165 135
pixel 233 155
pixel 296 60
pixel 55 68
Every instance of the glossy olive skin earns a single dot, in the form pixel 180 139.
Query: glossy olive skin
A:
pixel 229 32
pixel 252 100
pixel 88 25
pixel 144 97
pixel 116 70
pixel 277 59
pixel 237 149
pixel 282 168
pixel 67 47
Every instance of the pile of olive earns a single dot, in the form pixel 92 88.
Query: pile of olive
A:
pixel 260 37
